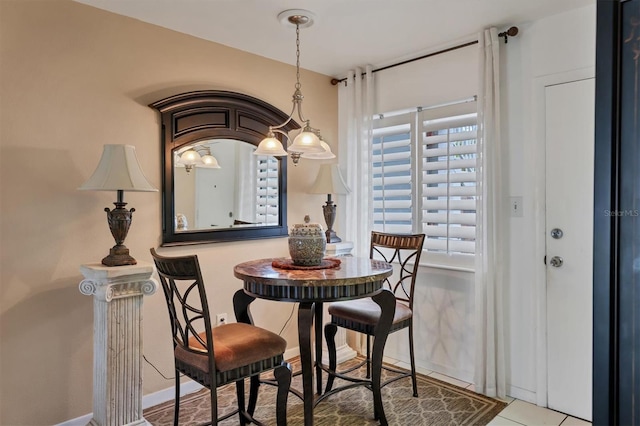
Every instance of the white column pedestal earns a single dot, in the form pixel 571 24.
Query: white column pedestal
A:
pixel 339 249
pixel 343 351
pixel 117 340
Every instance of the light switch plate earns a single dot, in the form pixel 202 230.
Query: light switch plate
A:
pixel 516 207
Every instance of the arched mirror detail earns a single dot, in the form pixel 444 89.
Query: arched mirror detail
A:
pixel 213 187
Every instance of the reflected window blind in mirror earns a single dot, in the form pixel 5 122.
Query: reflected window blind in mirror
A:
pixel 267 190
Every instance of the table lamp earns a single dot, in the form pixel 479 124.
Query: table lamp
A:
pixel 119 171
pixel 329 181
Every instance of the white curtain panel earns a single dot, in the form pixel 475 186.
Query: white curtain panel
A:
pixel 355 129
pixel 491 222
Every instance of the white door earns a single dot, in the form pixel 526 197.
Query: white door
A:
pixel 569 211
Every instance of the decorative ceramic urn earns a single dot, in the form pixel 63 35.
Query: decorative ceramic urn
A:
pixel 307 243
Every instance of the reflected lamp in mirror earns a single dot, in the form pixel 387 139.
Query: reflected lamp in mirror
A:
pixel 118 170
pixel 330 181
pixel 198 156
pixel 242 194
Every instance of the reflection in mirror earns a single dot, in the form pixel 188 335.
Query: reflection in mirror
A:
pixel 246 197
pixel 219 183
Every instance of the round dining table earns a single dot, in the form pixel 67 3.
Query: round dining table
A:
pixel 343 278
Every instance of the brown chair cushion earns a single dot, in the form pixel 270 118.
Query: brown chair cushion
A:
pixel 235 345
pixel 366 311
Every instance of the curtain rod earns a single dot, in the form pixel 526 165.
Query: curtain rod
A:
pixel 511 32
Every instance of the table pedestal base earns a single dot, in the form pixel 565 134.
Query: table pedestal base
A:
pixel 356 278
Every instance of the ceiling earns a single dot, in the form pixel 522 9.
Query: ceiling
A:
pixel 345 33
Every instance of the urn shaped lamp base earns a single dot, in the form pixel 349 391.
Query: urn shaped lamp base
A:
pixel 332 237
pixel 119 256
pixel 329 211
pixel 119 220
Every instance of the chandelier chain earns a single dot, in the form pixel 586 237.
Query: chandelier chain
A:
pixel 297 57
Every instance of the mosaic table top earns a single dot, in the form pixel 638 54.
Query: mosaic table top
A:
pixel 355 277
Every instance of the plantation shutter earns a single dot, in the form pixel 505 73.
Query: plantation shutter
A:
pixel 267 191
pixel 448 164
pixel 424 179
pixel 392 174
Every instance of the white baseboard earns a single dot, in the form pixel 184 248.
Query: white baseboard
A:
pixel 343 353
pixel 149 400
pixel 456 373
pixel 521 394
pixel 292 353
pixel 168 394
pixel 164 395
pixel 78 421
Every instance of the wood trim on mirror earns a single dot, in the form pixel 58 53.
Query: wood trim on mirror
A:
pixel 212 114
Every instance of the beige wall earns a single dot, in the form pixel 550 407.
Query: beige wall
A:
pixel 72 79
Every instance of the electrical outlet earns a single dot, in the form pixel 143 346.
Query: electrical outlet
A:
pixel 221 319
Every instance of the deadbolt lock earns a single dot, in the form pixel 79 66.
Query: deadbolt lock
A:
pixel 556 233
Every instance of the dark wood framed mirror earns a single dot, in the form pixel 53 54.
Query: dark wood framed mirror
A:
pixel 239 196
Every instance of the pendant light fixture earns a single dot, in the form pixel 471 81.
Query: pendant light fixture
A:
pixel 307 143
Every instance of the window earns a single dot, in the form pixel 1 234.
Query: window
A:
pixel 424 178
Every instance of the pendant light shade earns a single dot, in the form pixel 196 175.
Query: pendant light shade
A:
pixel 306 142
pixel 327 154
pixel 270 146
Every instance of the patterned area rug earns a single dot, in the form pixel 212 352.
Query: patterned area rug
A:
pixel 439 403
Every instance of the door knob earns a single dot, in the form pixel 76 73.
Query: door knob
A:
pixel 556 261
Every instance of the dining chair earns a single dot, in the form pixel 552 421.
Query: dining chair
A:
pixel 216 356
pixel 362 315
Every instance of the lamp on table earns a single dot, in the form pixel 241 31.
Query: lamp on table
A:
pixel 330 181
pixel 118 170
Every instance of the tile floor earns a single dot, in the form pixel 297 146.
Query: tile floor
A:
pixel 516 413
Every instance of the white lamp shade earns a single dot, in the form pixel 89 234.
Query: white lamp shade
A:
pixel 306 142
pixel 326 155
pixel 190 157
pixel 118 169
pixel 210 161
pixel 270 146
pixel 329 181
